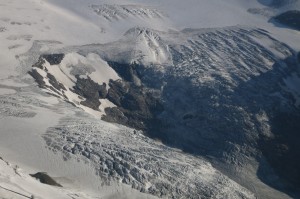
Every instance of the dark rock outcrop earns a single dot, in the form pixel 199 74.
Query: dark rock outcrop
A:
pixel 38 78
pixel 137 106
pixel 128 72
pixel 55 83
pixel 45 179
pixel 39 64
pixel 87 88
pixel 53 59
pixel 90 90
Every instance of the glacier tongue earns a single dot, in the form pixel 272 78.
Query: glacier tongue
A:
pixel 129 157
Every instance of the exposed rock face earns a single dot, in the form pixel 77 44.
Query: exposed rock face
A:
pixel 39 63
pixel 290 18
pixel 55 86
pixel 53 59
pixel 137 107
pixel 45 179
pixel 90 90
pixel 87 90
pixel 38 78
pixel 54 83
pixel 127 71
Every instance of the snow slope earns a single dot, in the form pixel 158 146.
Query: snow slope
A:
pixel 16 183
pixel 129 31
pixel 179 15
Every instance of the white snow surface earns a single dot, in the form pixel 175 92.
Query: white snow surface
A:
pixel 26 113
pixel 17 183
pixel 178 15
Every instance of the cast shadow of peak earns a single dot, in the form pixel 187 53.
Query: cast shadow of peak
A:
pixel 289 19
pixel 276 3
pixel 199 128
pixel 280 164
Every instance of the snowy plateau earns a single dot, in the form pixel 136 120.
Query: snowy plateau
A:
pixel 133 99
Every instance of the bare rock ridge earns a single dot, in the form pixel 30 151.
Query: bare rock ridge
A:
pixel 38 78
pixel 52 59
pixel 136 106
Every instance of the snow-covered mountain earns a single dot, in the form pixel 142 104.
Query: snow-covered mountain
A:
pixel 149 99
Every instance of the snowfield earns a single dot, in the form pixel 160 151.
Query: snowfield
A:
pixel 214 65
pixel 15 183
